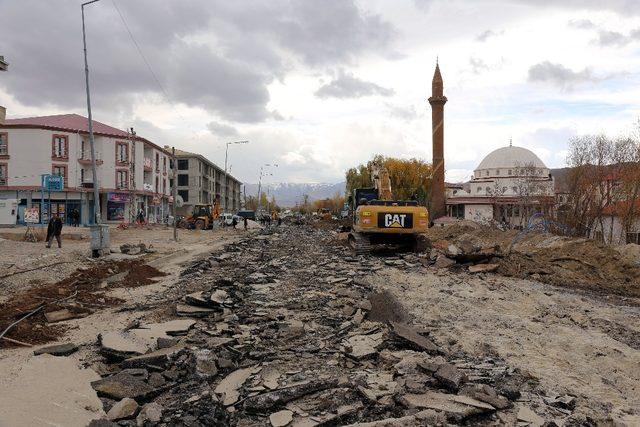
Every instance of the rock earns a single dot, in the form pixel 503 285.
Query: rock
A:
pixel 59 316
pixel 193 311
pixel 156 380
pixel 229 387
pixel 449 377
pixel 266 401
pixel 197 299
pixel 427 417
pixel 565 402
pixel 151 413
pixel 57 350
pixel 166 342
pixel 281 418
pixel 526 415
pixel 172 328
pixel 416 340
pixel 487 394
pixel 139 373
pixel 458 407
pixel 126 408
pixel 206 363
pixel 155 358
pixel 120 345
pixel 102 423
pixel 361 347
pixel 443 262
pixel 483 268
pixel 122 385
pixel 219 296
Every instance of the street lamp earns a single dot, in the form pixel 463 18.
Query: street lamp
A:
pixel 266 165
pixel 226 155
pixel 96 191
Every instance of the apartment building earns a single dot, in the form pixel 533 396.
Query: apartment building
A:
pixel 133 173
pixel 200 181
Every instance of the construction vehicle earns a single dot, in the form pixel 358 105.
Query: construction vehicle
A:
pixel 378 219
pixel 202 217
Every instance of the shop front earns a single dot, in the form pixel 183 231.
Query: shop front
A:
pixel 116 206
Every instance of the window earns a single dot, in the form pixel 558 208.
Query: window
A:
pixel 83 152
pixel 164 186
pixel 157 164
pixel 122 153
pixel 164 164
pixel 516 211
pixel 171 182
pixel 509 171
pixel 184 194
pixel 4 144
pixel 60 171
pixel 122 179
pixel 157 184
pixel 59 147
pixel 633 238
pixel 497 171
pixel 515 189
pixel 183 164
pixel 487 173
pixel 478 189
pixel 183 180
pixel 488 189
pixel 4 174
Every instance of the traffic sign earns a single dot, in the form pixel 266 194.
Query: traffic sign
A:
pixel 52 182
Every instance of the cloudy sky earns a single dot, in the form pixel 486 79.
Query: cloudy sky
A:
pixel 318 86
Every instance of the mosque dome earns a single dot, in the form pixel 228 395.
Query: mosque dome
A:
pixel 506 160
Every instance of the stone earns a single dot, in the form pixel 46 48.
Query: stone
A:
pixel 410 335
pixel 102 423
pixel 229 387
pixel 151 413
pixel 122 385
pixel 156 380
pixel 120 345
pixel 449 377
pixel 57 350
pixel 197 299
pixel 487 394
pixel 126 408
pixel 427 417
pixel 443 262
pixel 361 347
pixel 59 316
pixel 193 311
pixel 457 406
pixel 219 296
pixel 483 268
pixel 206 363
pixel 166 342
pixel 526 415
pixel 281 418
pixel 172 328
pixel 155 358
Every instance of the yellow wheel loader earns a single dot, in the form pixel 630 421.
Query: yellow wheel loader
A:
pixel 377 219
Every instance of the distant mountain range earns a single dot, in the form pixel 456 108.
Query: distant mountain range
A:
pixel 287 194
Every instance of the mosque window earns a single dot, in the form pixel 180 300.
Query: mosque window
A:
pixel 497 171
pixel 509 171
pixel 487 173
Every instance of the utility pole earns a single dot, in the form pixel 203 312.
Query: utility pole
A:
pixel 174 192
pixel 133 208
pixel 260 180
pixel 94 169
pixel 224 183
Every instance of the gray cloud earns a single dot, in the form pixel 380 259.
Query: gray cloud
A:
pixel 221 129
pixel 407 113
pixel 612 38
pixel 346 85
pixel 217 55
pixel 559 75
pixel 619 6
pixel 582 24
pixel 482 37
pixel 478 65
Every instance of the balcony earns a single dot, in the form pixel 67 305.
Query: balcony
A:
pixel 85 158
pixel 85 183
pixel 122 186
pixel 148 164
pixel 147 186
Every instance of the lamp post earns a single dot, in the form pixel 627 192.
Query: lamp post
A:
pixel 226 155
pixel 96 191
pixel 266 165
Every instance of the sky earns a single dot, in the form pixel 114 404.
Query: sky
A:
pixel 321 86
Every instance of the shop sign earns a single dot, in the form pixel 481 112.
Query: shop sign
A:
pixel 118 197
pixel 32 215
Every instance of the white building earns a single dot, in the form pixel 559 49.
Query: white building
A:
pixel 509 185
pixel 133 172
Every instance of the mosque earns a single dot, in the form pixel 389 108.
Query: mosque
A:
pixel 509 185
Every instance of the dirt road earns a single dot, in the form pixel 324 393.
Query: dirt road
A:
pixel 289 329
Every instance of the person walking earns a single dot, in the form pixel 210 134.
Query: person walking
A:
pixel 234 222
pixel 245 222
pixel 54 229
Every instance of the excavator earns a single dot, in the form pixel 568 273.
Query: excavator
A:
pixel 378 219
pixel 202 217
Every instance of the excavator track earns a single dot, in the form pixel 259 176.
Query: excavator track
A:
pixel 359 243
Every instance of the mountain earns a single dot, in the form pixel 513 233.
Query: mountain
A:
pixel 287 194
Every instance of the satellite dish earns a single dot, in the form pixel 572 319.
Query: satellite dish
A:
pixel 179 201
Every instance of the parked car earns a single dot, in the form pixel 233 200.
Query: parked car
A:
pixel 226 219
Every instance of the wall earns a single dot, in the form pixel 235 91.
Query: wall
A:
pixel 478 213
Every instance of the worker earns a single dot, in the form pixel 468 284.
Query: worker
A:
pixel 245 221
pixel 234 222
pixel 54 229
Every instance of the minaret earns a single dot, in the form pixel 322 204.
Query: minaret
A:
pixel 437 101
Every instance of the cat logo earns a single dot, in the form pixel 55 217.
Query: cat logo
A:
pixel 394 220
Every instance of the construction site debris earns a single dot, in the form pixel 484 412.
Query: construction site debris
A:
pixel 57 350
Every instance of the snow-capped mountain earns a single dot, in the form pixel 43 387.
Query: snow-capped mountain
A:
pixel 287 194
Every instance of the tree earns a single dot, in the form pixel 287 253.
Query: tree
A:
pixel 263 201
pixel 409 177
pixel 252 203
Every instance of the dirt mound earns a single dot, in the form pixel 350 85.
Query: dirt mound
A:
pixel 80 294
pixel 557 260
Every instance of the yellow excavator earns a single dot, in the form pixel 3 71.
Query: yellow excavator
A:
pixel 378 219
pixel 202 217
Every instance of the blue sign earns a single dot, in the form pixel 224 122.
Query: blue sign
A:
pixel 52 182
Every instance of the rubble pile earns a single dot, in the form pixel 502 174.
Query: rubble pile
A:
pixel 79 295
pixel 556 260
pixel 282 329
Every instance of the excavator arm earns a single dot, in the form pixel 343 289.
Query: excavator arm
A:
pixel 381 181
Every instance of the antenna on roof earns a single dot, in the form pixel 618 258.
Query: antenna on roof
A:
pixel 510 142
